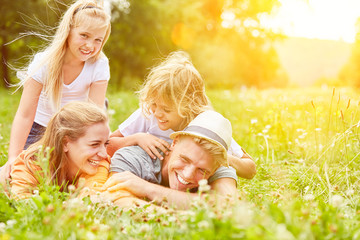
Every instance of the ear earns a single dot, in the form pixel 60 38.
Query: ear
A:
pixel 65 144
pixel 174 142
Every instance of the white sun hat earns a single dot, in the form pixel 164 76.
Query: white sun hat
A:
pixel 212 126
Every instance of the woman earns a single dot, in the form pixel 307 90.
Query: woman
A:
pixel 75 147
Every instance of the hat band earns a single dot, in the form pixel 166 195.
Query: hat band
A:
pixel 210 134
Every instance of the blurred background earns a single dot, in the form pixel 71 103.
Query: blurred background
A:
pixel 233 43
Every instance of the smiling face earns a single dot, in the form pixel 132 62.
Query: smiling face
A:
pixel 167 116
pixel 85 41
pixel 85 153
pixel 187 164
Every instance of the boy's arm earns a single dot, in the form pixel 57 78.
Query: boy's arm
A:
pixel 146 141
pixel 245 166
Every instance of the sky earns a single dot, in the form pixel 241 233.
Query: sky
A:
pixel 321 19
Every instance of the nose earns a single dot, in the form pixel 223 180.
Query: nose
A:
pixel 189 173
pixel 158 112
pixel 102 152
pixel 89 44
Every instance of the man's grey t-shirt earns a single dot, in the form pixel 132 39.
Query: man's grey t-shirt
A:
pixel 135 160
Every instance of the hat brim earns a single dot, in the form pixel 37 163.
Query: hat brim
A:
pixel 198 135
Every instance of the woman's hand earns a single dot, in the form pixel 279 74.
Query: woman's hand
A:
pixel 127 181
pixel 5 171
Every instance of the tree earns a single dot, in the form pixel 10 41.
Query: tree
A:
pixel 22 17
pixel 350 74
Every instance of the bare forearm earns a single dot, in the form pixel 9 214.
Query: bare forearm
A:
pixel 119 142
pixel 245 166
pixel 160 194
pixel 19 132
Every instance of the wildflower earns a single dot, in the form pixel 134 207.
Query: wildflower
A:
pixel 11 223
pixel 50 208
pixel 283 233
pixel 111 112
pixel 203 224
pixel 2 227
pixel 318 129
pixel 253 121
pixel 243 215
pixel 336 200
pixel 145 228
pixel 350 192
pixel 71 188
pixel 309 197
pixel 203 186
pixel 36 192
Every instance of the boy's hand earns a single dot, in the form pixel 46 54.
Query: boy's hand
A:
pixel 152 144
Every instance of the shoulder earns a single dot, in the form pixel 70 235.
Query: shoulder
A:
pixel 103 61
pixel 223 172
pixel 134 152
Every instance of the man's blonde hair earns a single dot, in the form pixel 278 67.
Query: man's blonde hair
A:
pixel 70 122
pixel 176 82
pixel 81 12
pixel 218 154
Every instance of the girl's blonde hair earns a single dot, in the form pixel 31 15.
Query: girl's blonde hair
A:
pixel 71 122
pixel 81 12
pixel 177 82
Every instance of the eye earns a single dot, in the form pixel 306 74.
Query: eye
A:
pixel 83 35
pixel 167 110
pixel 98 40
pixel 184 160
pixel 106 143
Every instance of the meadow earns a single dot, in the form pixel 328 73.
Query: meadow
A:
pixel 306 145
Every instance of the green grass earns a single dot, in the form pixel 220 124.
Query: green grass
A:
pixel 306 145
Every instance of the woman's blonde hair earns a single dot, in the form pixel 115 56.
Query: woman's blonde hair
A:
pixel 71 122
pixel 177 82
pixel 81 12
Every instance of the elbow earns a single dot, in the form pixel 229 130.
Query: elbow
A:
pixel 112 147
pixel 251 171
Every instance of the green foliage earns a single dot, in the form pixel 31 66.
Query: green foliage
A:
pixel 350 74
pixel 143 31
pixel 305 145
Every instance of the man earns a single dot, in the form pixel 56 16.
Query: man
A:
pixel 195 154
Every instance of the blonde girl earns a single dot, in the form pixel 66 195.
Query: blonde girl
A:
pixel 72 67
pixel 171 97
pixel 78 135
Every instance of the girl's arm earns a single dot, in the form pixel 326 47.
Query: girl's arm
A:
pixel 245 166
pixel 97 92
pixel 22 123
pixel 241 161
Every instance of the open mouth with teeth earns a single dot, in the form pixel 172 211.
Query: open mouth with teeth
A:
pixel 86 52
pixel 181 180
pixel 161 121
pixel 94 163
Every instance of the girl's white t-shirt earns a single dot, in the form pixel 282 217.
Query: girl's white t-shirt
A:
pixel 78 90
pixel 137 122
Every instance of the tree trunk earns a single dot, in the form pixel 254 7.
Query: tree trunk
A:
pixel 5 79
